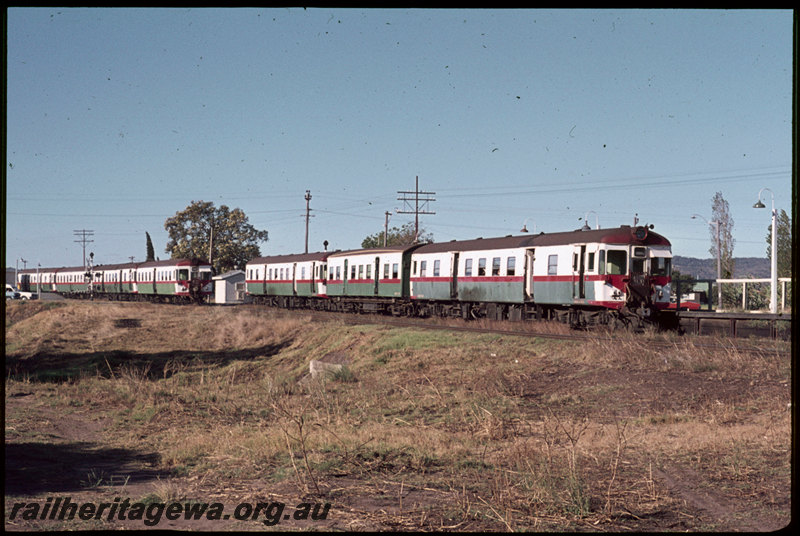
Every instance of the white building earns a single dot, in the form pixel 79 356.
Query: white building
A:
pixel 230 288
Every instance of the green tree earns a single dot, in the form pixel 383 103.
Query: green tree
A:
pixel 784 226
pixel 151 253
pixel 403 236
pixel 222 235
pixel 720 212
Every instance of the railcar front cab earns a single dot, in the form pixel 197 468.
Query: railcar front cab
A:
pixel 637 275
pixel 193 279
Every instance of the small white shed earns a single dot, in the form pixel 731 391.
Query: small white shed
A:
pixel 230 287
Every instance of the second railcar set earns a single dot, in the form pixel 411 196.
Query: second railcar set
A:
pixel 170 281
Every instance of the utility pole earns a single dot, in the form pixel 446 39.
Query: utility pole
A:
pixel 416 199
pixel 386 228
pixel 308 214
pixel 84 235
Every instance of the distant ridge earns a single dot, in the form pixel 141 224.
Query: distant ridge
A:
pixel 707 268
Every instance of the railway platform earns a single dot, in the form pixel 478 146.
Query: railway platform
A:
pixel 743 324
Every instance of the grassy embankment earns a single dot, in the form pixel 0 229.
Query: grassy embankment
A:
pixel 419 430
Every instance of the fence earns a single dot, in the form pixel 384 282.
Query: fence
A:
pixel 753 295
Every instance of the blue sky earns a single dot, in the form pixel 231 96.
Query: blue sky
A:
pixel 118 118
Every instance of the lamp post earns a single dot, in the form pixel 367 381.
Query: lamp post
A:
pixel 773 294
pixel 715 223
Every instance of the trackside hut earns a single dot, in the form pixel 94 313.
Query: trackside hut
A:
pixel 227 285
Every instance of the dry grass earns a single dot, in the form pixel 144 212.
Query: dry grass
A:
pixel 428 429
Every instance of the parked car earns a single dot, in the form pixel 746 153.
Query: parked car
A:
pixel 13 293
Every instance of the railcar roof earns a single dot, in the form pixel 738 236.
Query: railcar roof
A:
pixel 374 251
pixel 297 257
pixel 618 235
pixel 506 242
pixel 173 262
pixel 101 267
pixel 624 234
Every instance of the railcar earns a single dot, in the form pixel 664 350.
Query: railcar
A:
pixel 472 278
pixel 606 276
pixel 288 280
pixel 172 281
pixel 371 280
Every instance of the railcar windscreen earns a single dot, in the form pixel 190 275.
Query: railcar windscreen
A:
pixel 616 262
pixel 661 266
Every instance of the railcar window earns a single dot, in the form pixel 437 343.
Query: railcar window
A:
pixel 481 267
pixel 496 266
pixel 395 270
pixel 552 264
pixel 590 262
pixel 436 266
pixel 601 262
pixel 361 271
pixel 511 266
pixel 386 271
pixel 637 266
pixel 423 268
pixel 468 267
pixel 616 262
pixel 661 266
pixel 369 271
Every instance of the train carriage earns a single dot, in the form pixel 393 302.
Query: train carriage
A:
pixel 603 274
pixel 287 279
pixel 580 276
pixel 370 280
pixel 72 281
pixel 114 280
pixel 468 272
pixel 174 280
pixel 37 280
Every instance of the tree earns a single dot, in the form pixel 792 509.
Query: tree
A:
pixel 784 226
pixel 720 212
pixel 221 235
pixel 151 253
pixel 403 236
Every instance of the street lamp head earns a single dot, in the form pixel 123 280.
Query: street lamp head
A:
pixel 524 229
pixel 759 204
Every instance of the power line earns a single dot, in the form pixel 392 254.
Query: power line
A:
pixel 417 210
pixel 84 235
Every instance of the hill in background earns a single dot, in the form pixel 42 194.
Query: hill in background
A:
pixel 707 268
